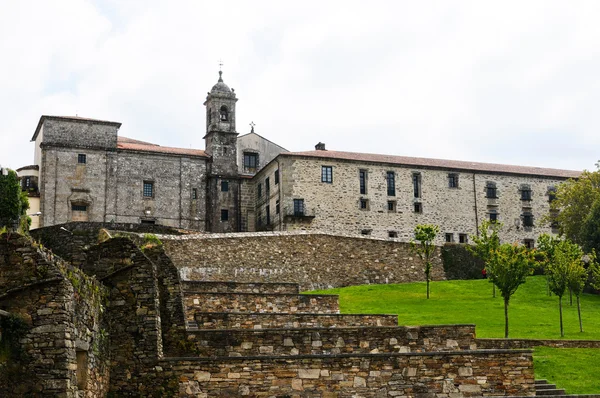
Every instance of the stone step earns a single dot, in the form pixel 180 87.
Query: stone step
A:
pixel 549 391
pixel 326 341
pixel 545 386
pixel 541 381
pixel 257 302
pixel 239 287
pixel 228 320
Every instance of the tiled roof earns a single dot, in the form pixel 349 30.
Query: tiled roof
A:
pixel 135 145
pixel 438 163
pixel 72 118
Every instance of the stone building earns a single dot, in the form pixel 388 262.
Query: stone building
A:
pixel 248 183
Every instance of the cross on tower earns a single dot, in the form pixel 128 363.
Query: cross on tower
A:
pixel 220 64
pixel 252 127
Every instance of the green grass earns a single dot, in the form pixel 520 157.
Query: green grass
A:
pixel 532 315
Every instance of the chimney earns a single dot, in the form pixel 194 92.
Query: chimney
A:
pixel 320 146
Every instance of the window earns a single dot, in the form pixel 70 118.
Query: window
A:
pixel 452 180
pixel 26 182
pixel 250 162
pixel 449 238
pixel 364 204
pixel 81 158
pixel 276 176
pixel 224 215
pixel 365 231
pixel 268 213
pixel 418 207
pixel 416 179
pixel 463 238
pixel 76 207
pixel 209 113
pixel 392 234
pixel 151 222
pixel 267 187
pixel 493 216
pixel 529 243
pixel 148 189
pixel 298 207
pixel 528 220
pixel 391 206
pixel 277 207
pixel 525 193
pixel 391 183
pixel 194 193
pixel 224 186
pixel 490 190
pixel 224 113
pixel 259 190
pixel 259 219
pixel 327 174
pixel 551 194
pixel 362 181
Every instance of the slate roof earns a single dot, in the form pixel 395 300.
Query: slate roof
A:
pixel 458 165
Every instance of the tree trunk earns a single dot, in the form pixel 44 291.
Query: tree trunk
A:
pixel 562 332
pixel 579 313
pixel 570 297
pixel 505 318
pixel 428 275
pixel 427 287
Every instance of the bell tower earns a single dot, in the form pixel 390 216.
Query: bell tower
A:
pixel 223 181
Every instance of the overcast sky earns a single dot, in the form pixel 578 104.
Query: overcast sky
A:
pixel 514 82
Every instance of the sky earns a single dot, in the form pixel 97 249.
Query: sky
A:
pixel 513 82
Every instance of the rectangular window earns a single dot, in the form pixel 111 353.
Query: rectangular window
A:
pixel 277 207
pixel 327 174
pixel 298 207
pixel 27 182
pixel 151 222
pixel 391 206
pixel 268 213
pixel 391 183
pixel 365 231
pixel 392 234
pixel 452 180
pixel 81 158
pixel 259 219
pixel 463 238
pixel 194 193
pixel 528 220
pixel 449 238
pixel 75 207
pixel 526 194
pixel 418 207
pixel 490 191
pixel 267 187
pixel 148 189
pixel 250 162
pixel 529 243
pixel 493 216
pixel 224 186
pixel 276 176
pixel 551 194
pixel 259 190
pixel 364 204
pixel 362 181
pixel 416 180
pixel 224 215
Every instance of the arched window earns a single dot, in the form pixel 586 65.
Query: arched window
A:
pixel 224 113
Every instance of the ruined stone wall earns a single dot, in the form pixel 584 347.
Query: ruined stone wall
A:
pixel 313 260
pixel 336 206
pixel 467 374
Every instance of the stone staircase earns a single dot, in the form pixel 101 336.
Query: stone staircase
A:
pixel 267 339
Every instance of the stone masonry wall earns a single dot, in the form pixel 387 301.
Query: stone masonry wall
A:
pixel 253 302
pixel 467 374
pixel 336 206
pixel 313 260
pixel 510 344
pixel 228 320
pixel 332 341
pixel 234 287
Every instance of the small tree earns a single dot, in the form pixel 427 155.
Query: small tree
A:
pixel 425 234
pixel 578 275
pixel 13 202
pixel 508 268
pixel 485 243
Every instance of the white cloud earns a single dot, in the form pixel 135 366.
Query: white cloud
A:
pixel 510 82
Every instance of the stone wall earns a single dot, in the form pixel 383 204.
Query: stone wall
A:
pixel 228 320
pixel 234 287
pixel 510 344
pixel 332 341
pixel 314 261
pixel 467 374
pixel 335 207
pixel 259 302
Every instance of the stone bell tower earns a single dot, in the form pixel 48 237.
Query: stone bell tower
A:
pixel 223 182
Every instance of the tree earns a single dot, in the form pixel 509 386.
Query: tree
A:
pixel 13 202
pixel 425 249
pixel 485 243
pixel 578 276
pixel 508 267
pixel 590 230
pixel 573 204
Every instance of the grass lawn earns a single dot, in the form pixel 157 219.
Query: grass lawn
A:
pixel 532 314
